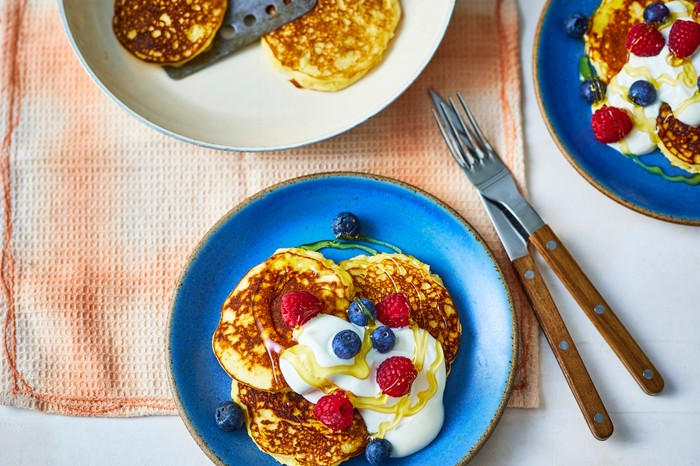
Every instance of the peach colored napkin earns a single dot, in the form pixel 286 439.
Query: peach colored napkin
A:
pixel 100 212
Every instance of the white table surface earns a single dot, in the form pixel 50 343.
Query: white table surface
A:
pixel 647 270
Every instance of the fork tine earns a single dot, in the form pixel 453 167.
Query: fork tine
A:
pixel 449 138
pixel 481 139
pixel 460 133
pixel 467 135
pixel 451 145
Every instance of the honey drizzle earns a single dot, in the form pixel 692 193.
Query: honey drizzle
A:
pixel 305 364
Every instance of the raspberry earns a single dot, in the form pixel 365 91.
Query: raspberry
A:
pixel 396 375
pixel 696 11
pixel 684 38
pixel 298 307
pixel 394 310
pixel 610 124
pixel 644 40
pixel 334 411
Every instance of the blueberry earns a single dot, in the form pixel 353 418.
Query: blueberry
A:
pixel 345 225
pixel 378 451
pixel 656 12
pixel 642 93
pixel 383 339
pixel 576 24
pixel 699 83
pixel 346 344
pixel 361 310
pixel 229 416
pixel 592 90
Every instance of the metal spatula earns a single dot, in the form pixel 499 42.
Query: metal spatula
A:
pixel 245 22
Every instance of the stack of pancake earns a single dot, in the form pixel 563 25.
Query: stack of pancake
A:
pixel 329 48
pixel 251 335
pixel 606 49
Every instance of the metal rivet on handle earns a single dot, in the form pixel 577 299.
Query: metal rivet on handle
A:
pixel 564 345
pixel 599 309
pixel 648 374
pixel 599 417
pixel 529 274
pixel 551 245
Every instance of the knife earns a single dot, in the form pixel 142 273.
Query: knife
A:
pixel 552 324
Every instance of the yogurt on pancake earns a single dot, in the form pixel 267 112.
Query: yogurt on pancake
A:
pixel 410 422
pixel 675 82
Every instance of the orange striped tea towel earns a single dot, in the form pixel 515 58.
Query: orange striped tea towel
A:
pixel 99 212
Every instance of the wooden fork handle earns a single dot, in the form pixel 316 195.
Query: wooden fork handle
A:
pixel 597 310
pixel 564 349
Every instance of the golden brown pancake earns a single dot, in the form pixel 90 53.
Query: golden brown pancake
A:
pixel 679 142
pixel 432 306
pixel 607 36
pixel 283 425
pixel 251 332
pixel 167 32
pixel 334 44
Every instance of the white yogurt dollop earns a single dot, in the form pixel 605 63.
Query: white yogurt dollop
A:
pixel 408 431
pixel 672 86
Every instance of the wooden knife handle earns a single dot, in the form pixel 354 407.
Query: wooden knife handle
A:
pixel 564 349
pixel 597 310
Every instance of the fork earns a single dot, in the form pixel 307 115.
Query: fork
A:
pixel 487 172
pixel 484 167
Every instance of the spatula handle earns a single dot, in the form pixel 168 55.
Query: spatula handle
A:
pixel 597 310
pixel 564 349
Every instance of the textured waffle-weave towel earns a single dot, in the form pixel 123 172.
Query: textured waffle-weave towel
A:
pixel 100 212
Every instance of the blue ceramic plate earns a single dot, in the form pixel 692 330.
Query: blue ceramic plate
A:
pixel 301 211
pixel 568 117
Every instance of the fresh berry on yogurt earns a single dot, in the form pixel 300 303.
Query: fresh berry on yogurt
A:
pixel 610 124
pixel 396 375
pixel 362 311
pixel 334 411
pixel 298 307
pixel 394 310
pixel 576 24
pixel 378 451
pixel 414 420
pixel 642 93
pixel 346 344
pixel 592 90
pixel 229 416
pixel 673 80
pixel 345 225
pixel 656 12
pixel 383 339
pixel 684 38
pixel 645 40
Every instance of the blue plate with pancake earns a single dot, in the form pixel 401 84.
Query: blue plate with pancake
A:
pixel 301 211
pixel 624 179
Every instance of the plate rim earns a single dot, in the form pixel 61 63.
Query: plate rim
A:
pixel 567 155
pixel 515 338
pixel 260 148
